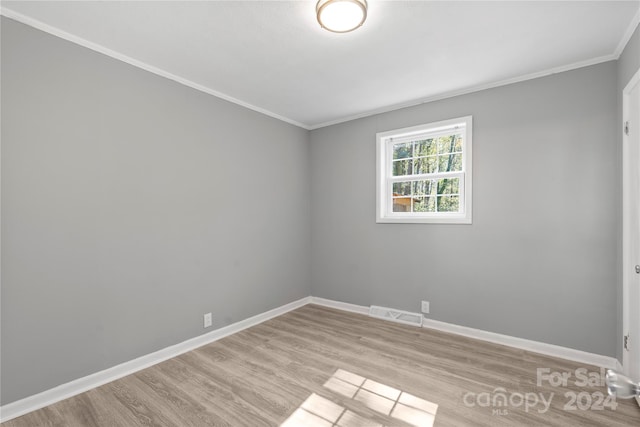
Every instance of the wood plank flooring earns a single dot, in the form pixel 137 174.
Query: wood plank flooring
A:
pixel 317 366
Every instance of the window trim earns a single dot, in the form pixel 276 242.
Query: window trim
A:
pixel 384 213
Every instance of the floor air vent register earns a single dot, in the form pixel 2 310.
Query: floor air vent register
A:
pixel 406 317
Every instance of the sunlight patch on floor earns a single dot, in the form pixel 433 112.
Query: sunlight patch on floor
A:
pixel 318 411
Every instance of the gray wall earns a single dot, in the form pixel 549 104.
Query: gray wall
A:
pixel 538 262
pixel 131 205
pixel 629 61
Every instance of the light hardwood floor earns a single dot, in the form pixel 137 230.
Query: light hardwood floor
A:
pixel 317 366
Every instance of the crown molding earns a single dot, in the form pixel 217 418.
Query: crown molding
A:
pixel 470 89
pixel 464 91
pixel 39 25
pixel 627 34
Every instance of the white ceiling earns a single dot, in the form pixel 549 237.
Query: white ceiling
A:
pixel 273 57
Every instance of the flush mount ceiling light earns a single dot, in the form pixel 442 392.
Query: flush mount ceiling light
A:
pixel 341 16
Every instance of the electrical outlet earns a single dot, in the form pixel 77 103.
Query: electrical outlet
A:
pixel 425 307
pixel 207 320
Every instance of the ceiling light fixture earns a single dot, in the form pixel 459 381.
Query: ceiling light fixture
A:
pixel 341 16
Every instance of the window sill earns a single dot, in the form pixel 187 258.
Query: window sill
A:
pixel 454 219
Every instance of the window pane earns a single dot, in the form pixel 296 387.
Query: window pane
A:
pixel 402 188
pixel 403 151
pixel 449 144
pixel 424 204
pixel 427 147
pixel 426 165
pixel 449 186
pixel 424 188
pixel 458 144
pixel 402 167
pixel 448 204
pixel 452 163
pixel 444 144
pixel 402 204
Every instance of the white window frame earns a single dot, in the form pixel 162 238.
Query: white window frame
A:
pixel 384 178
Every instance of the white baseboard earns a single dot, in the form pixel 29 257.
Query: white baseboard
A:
pixel 64 391
pixel 344 306
pixel 525 344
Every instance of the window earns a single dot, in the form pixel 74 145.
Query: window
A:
pixel 424 173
